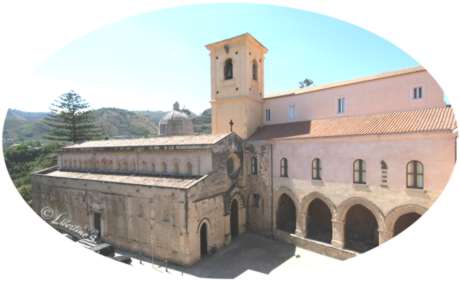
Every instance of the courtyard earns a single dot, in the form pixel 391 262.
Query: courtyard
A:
pixel 249 253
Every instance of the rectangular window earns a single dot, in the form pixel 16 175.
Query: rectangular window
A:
pixel 291 112
pixel 341 105
pixel 417 93
pixel 267 115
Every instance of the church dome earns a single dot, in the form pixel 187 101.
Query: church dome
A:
pixel 176 122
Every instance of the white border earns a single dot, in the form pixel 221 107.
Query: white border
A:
pixel 32 30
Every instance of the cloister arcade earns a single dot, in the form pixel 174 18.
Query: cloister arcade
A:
pixel 355 224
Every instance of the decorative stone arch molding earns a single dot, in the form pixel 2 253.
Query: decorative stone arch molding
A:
pixel 206 221
pixel 305 203
pixel 338 223
pixel 229 196
pixel 399 211
pixel 287 191
pixel 343 208
pixel 239 197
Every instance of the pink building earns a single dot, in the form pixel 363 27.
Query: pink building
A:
pixel 337 168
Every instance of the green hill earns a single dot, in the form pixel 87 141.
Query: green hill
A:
pixel 119 123
pixel 21 127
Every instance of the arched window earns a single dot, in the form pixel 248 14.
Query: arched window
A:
pixel 359 171
pixel 189 169
pixel 255 70
pixel 384 170
pixel 254 166
pixel 414 173
pixel 284 167
pixel 164 168
pixel 228 69
pixel 176 169
pixel 316 169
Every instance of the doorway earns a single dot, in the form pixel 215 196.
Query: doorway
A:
pixel 234 222
pixel 204 240
pixel 97 224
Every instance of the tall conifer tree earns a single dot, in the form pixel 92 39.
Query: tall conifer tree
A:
pixel 71 120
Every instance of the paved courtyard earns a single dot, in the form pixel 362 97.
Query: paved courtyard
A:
pixel 249 253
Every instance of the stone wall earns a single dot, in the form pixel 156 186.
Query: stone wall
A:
pixel 142 219
pixel 209 201
pixel 259 187
pixel 149 220
pixel 138 161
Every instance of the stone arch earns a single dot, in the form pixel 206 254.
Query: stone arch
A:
pixel 343 208
pixel 286 212
pixel 317 195
pixel 202 221
pixel 325 228
pixel 362 224
pixel 397 212
pixel 203 232
pixel 239 197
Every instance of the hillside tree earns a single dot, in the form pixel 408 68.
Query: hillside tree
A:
pixel 71 120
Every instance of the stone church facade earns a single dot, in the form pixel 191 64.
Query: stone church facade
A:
pixel 337 169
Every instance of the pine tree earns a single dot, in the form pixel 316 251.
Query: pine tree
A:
pixel 71 120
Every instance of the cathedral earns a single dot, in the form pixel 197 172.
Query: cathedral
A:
pixel 337 169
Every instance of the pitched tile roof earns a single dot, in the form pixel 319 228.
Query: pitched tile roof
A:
pixel 182 140
pixel 424 120
pixel 165 182
pixel 241 36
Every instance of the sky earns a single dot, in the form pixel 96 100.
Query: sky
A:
pixel 149 61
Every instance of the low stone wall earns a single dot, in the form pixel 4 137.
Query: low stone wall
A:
pixel 318 247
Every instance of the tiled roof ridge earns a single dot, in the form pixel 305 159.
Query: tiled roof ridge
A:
pixel 395 122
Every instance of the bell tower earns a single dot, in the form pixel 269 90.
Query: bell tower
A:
pixel 237 84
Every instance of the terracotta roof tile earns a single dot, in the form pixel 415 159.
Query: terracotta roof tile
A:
pixel 424 120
